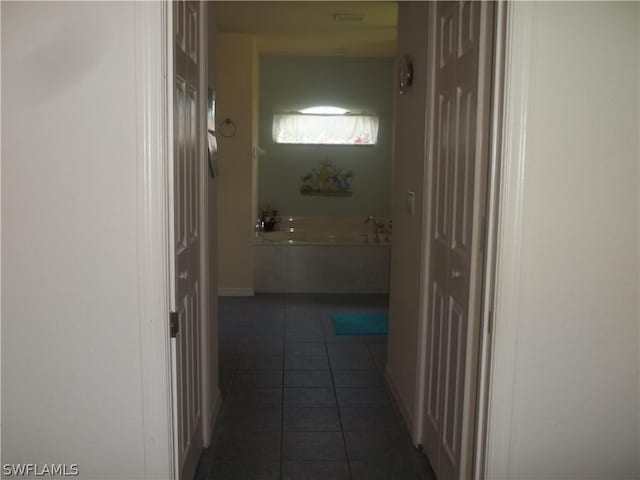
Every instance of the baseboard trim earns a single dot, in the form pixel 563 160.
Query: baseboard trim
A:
pixel 400 401
pixel 236 292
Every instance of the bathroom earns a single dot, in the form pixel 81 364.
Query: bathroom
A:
pixel 333 236
pixel 331 193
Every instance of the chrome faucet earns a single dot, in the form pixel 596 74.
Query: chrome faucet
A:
pixel 370 221
pixel 378 228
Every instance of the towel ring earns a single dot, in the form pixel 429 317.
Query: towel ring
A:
pixel 227 128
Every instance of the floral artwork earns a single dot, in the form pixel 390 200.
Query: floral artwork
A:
pixel 328 180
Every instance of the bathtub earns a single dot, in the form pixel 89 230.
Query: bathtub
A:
pixel 322 255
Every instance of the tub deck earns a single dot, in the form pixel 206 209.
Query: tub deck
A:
pixel 322 256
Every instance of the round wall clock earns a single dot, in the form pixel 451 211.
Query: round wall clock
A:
pixel 405 72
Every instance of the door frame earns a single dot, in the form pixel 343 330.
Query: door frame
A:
pixel 154 152
pixel 493 195
pixel 499 378
pixel 482 288
pixel 205 347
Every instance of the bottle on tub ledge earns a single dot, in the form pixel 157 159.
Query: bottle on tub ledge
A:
pixel 269 221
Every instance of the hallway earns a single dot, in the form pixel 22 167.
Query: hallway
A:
pixel 300 402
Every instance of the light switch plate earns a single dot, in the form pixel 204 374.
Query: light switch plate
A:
pixel 411 203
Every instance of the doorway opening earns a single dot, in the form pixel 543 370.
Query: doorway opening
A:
pixel 330 191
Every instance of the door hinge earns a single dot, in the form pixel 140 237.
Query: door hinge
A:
pixel 173 324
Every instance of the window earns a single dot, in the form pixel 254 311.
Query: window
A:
pixel 325 125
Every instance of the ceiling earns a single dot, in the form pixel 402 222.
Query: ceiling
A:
pixel 310 27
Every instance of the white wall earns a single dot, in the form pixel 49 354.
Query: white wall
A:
pixel 408 174
pixel 71 368
pixel 565 389
pixel 235 99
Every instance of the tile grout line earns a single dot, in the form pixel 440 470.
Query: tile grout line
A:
pixel 284 346
pixel 335 395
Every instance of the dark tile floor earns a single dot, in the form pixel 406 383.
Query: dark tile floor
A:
pixel 299 402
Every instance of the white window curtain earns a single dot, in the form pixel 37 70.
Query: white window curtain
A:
pixel 325 129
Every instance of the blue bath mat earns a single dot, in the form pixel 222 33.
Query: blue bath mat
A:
pixel 361 323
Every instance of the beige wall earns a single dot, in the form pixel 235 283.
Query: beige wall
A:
pixel 255 105
pixel 408 175
pixel 213 229
pixel 235 86
pixel 565 387
pixel 71 363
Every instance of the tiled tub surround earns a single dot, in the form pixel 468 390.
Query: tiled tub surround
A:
pixel 322 255
pixel 299 402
